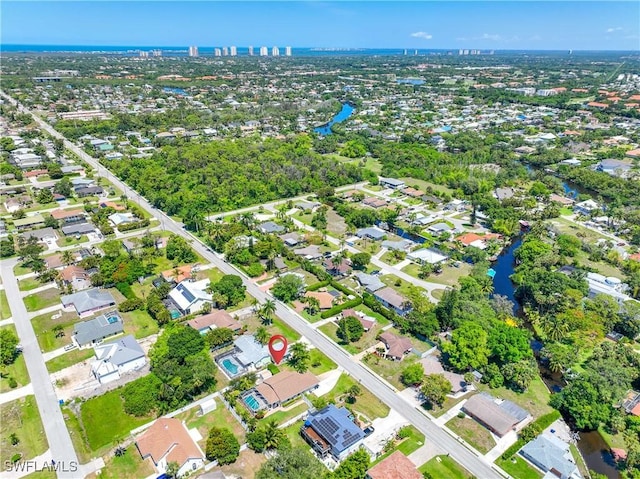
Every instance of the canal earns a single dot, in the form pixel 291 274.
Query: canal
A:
pixel 591 445
pixel 345 112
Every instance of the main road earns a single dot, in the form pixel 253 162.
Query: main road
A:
pixel 469 460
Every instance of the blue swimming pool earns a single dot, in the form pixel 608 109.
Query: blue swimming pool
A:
pixel 252 403
pixel 175 314
pixel 229 366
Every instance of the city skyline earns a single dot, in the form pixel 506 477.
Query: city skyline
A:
pixel 415 25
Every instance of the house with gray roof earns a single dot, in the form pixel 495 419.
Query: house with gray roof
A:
pixel 370 282
pixel 93 331
pixel 499 417
pixel 117 357
pixel 402 245
pixel 552 456
pixel 371 233
pixel 306 205
pixel 78 229
pixel 43 234
pixel 392 183
pixel 269 227
pixel 88 301
pixel 250 352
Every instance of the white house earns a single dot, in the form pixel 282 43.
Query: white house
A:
pixel 586 207
pixel 168 440
pixel 190 296
pixel 427 255
pixel 117 357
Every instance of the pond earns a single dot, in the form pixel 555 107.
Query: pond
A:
pixel 346 111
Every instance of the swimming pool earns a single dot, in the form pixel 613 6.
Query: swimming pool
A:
pixel 229 366
pixel 175 314
pixel 252 402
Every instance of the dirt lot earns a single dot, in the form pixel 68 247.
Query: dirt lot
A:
pixel 78 381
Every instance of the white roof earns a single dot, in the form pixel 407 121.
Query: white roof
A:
pixel 427 255
pixel 187 293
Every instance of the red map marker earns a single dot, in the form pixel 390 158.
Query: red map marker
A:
pixel 278 347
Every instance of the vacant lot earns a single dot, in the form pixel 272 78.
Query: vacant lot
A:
pixel 472 432
pixel 21 417
pixel 444 466
pixel 49 339
pixel 139 323
pixel 366 403
pixel 129 466
pixel 17 371
pixel 449 276
pixel 246 465
pixel 69 359
pixel 43 299
pixel 105 421
pixel 367 340
pixel 389 370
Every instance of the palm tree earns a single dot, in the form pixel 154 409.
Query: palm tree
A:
pixel 273 435
pixel 299 357
pixel 67 257
pixel 261 335
pixel 267 311
pixel 313 305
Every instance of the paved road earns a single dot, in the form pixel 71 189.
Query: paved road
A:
pixel 62 450
pixel 474 464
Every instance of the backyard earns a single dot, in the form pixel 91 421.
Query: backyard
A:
pixel 21 417
pixel 535 399
pixel 246 465
pixel 139 323
pixel 218 417
pixel 449 276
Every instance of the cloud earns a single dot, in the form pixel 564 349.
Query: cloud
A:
pixel 490 36
pixel 611 30
pixel 425 35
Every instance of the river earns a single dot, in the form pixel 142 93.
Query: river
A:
pixel 345 112
pixel 591 445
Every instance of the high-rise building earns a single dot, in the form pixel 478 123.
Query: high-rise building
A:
pixel 287 51
pixel 250 50
pixel 143 54
pixel 225 51
pixel 193 51
pixel 264 51
pixel 275 51
pixel 156 53
pixel 233 51
pixel 217 52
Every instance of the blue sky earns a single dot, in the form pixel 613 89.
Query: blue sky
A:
pixel 587 25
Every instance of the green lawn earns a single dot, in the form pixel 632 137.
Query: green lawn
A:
pixel 43 299
pixel 218 417
pixel 278 326
pixel 68 359
pixel 319 363
pixel 382 321
pixel 139 323
pixel 72 240
pixel 449 276
pixel 437 293
pixel 5 310
pixel 17 371
pixel 366 403
pixel 518 468
pixel 424 185
pixel 42 475
pixel 535 399
pixel 390 370
pixel 129 466
pixel 472 432
pixel 22 418
pixel 78 436
pixel 280 416
pixel 19 270
pixel 406 446
pixel 293 433
pixel 213 274
pixel 43 326
pixel 445 467
pixel 400 285
pixel 367 340
pixel 29 284
pixel 105 421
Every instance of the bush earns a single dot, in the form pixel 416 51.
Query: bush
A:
pixel 255 269
pixel 404 432
pixel 318 285
pixel 12 382
pixel 126 290
pixel 336 309
pixel 342 288
pixel 16 457
pixel 273 369
pixel 133 226
pixel 539 424
pixel 130 305
pixel 141 396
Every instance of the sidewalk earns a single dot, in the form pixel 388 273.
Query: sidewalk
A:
pixel 16 393
pixel 51 309
pixel 44 287
pixel 33 465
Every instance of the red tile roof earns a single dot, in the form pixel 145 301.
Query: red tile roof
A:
pixel 168 436
pixel 396 466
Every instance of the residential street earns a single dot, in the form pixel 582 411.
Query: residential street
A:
pixel 44 390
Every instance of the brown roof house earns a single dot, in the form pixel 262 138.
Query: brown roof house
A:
pixel 397 346
pixel 391 299
pixel 217 318
pixel 396 466
pixel 168 440
pixel 499 417
pixel 76 276
pixel 432 365
pixel 177 275
pixel 282 387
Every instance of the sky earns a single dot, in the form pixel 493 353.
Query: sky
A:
pixel 499 25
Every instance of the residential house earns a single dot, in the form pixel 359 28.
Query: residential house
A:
pixel 370 282
pixel 395 466
pixel 88 301
pixel 306 205
pixel 552 456
pixel 310 252
pixel 366 321
pixel 391 299
pixel 335 268
pixel 291 239
pixel 402 245
pixel 78 229
pixel 499 417
pixel 503 193
pixel 42 235
pixel 413 193
pixel 476 240
pixel 29 222
pixel 396 346
pixel 190 297
pixel 373 233
pixel 93 331
pixel 217 318
pixel 278 389
pixel 439 228
pixel 68 216
pixel 374 202
pixel 631 403
pixel 85 191
pixel 427 255
pixel 118 219
pixel 178 274
pixel 332 431
pixel 75 276
pixel 561 200
pixel 586 207
pixel 168 440
pixel 392 183
pixel 433 365
pixel 614 167
pixel 117 357
pixel 250 353
pixel 269 227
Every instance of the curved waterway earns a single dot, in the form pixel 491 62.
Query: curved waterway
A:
pixel 345 112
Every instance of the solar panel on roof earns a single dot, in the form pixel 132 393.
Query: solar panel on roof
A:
pixel 187 294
